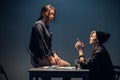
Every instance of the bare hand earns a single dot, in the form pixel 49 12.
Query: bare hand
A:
pixel 79 45
pixel 52 60
pixel 57 59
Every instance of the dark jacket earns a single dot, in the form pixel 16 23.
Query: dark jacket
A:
pixel 99 64
pixel 40 42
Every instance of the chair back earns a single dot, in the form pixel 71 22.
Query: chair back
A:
pixel 2 71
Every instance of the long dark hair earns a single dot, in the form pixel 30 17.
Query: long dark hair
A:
pixel 46 8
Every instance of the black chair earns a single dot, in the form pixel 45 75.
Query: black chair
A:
pixel 2 71
pixel 117 72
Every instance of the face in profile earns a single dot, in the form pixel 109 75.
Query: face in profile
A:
pixel 93 38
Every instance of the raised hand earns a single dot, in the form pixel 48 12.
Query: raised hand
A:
pixel 79 45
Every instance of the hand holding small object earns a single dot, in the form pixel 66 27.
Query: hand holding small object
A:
pixel 79 45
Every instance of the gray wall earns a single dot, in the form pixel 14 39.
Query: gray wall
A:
pixel 74 18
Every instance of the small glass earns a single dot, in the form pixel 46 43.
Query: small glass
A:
pixel 77 64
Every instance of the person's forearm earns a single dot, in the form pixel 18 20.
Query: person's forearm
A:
pixel 81 56
pixel 80 52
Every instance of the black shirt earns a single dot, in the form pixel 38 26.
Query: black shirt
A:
pixel 40 42
pixel 99 64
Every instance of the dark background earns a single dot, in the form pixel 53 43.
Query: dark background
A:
pixel 74 18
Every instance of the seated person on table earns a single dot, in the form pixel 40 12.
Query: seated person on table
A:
pixel 41 41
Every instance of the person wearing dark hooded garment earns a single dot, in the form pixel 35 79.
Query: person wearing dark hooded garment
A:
pixel 99 63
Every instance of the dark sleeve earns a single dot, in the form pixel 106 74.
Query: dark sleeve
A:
pixel 37 43
pixel 94 62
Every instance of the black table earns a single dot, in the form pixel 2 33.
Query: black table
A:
pixel 55 72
